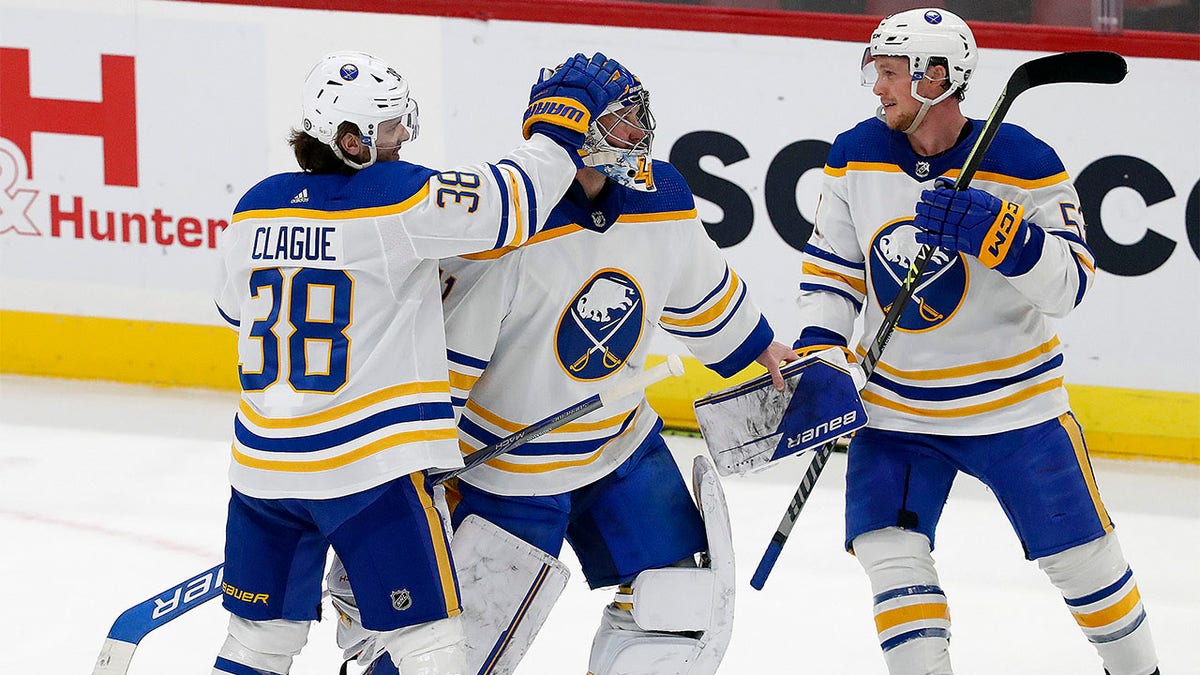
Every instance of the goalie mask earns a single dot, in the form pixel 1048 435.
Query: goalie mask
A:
pixel 922 36
pixel 358 88
pixel 619 140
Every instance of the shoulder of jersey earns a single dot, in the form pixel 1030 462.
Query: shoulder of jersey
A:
pixel 868 141
pixel 1016 152
pixel 380 185
pixel 672 193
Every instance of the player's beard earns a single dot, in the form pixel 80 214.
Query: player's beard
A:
pixel 899 120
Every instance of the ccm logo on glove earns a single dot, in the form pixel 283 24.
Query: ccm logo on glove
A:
pixel 1000 237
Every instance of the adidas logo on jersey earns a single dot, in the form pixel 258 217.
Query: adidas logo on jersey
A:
pixel 301 198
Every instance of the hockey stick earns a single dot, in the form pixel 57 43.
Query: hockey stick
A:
pixel 134 623
pixel 672 367
pixel 1093 67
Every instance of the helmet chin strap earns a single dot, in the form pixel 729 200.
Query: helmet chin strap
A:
pixel 925 105
pixel 337 150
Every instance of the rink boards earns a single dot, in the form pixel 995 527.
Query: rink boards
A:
pixel 121 159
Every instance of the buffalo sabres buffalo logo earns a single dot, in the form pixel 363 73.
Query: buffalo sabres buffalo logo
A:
pixel 601 326
pixel 940 290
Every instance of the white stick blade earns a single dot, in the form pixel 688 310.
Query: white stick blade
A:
pixel 115 658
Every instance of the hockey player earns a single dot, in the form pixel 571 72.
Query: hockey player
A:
pixel 628 252
pixel 631 253
pixel 972 380
pixel 330 278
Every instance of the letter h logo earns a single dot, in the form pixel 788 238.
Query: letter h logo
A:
pixel 113 118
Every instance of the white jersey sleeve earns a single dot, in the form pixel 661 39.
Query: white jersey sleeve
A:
pixel 476 298
pixel 457 211
pixel 1065 267
pixel 709 309
pixel 833 282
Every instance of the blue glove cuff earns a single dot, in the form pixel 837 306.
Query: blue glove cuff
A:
pixel 1028 254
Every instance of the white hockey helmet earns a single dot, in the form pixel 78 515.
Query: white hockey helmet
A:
pixel 608 152
pixel 356 87
pixel 923 35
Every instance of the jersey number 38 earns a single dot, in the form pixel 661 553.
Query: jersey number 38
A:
pixel 316 304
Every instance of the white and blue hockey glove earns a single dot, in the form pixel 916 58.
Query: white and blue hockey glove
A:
pixel 564 101
pixel 751 425
pixel 979 224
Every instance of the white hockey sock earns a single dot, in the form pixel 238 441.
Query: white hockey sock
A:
pixel 911 614
pixel 267 646
pixel 1099 589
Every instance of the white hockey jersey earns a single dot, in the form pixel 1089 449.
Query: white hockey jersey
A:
pixel 332 284
pixel 569 315
pixel 973 353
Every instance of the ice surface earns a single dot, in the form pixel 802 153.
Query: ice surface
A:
pixel 112 493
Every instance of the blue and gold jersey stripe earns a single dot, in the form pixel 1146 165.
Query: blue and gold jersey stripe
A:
pixel 968 370
pixel 344 409
pixel 417 412
pixel 966 410
pixel 331 214
pixel 716 310
pixel 569 428
pixel 657 217
pixel 359 453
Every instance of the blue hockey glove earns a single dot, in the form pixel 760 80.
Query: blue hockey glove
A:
pixel 564 101
pixel 979 224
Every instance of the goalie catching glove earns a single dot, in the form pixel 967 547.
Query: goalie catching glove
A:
pixel 979 224
pixel 565 100
pixel 751 425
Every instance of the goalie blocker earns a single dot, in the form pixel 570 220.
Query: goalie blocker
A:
pixel 748 426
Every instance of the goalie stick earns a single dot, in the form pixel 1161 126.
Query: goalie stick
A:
pixel 672 367
pixel 1094 67
pixel 136 622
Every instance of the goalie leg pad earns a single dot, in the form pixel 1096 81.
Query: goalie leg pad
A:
pixel 1098 586
pixel 622 647
pixel 675 620
pixel 508 588
pixel 719 559
pixel 267 646
pixel 671 599
pixel 433 648
pixel 911 614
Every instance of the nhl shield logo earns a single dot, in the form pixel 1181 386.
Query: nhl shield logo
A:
pixel 601 326
pixel 598 221
pixel 922 169
pixel 401 600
